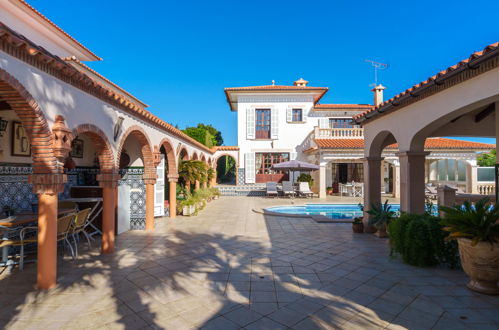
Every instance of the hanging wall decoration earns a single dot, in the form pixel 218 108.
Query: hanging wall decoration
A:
pixel 20 141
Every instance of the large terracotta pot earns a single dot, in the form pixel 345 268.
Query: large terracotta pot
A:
pixel 358 228
pixel 481 264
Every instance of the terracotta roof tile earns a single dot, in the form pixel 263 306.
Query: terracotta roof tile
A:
pixel 441 74
pixel 225 148
pixel 430 144
pixel 274 87
pixel 348 107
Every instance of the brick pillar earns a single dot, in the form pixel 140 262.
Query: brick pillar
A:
pixel 173 195
pixel 412 181
pixel 446 196
pixel 47 186
pixel 372 186
pixel 150 176
pixel 108 182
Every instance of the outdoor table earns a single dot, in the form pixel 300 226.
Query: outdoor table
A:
pixel 20 219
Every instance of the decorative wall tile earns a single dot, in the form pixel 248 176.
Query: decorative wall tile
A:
pixel 133 177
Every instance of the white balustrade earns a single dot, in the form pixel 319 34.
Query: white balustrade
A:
pixel 339 133
pixel 486 188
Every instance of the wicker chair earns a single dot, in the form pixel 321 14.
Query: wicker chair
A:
pixel 81 220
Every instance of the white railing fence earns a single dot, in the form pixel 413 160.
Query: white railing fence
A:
pixel 339 133
pixel 486 188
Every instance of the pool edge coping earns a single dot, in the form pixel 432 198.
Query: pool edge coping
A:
pixel 316 218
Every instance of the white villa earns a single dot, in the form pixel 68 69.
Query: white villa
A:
pixel 277 123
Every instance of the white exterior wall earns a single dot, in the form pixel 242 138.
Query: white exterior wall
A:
pixel 290 135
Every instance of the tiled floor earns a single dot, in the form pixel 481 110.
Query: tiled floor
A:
pixel 231 268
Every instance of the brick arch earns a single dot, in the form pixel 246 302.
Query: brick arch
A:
pixel 33 122
pixel 186 154
pixel 145 145
pixel 203 158
pixel 170 155
pixel 215 159
pixel 195 156
pixel 101 143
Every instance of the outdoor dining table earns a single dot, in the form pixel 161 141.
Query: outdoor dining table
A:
pixel 20 219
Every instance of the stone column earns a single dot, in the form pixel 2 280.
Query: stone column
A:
pixel 173 195
pixel 472 177
pixel 446 196
pixel 108 182
pixel 396 179
pixel 322 180
pixel 372 185
pixel 412 181
pixel 196 185
pixel 47 186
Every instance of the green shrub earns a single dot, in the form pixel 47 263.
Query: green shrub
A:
pixel 303 177
pixel 421 241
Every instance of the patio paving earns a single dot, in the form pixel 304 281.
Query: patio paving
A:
pixel 232 268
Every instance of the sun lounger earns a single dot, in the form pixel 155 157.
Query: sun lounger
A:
pixel 304 190
pixel 287 189
pixel 271 189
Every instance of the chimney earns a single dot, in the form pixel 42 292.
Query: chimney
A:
pixel 300 82
pixel 378 94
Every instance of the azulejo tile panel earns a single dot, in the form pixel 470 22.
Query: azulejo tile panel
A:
pixel 133 177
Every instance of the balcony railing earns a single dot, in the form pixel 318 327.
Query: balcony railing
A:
pixel 339 133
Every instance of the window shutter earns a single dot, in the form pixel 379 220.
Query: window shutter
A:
pixel 274 124
pixel 289 115
pixel 249 167
pixel 323 122
pixel 292 155
pixel 250 123
pixel 159 189
pixel 304 115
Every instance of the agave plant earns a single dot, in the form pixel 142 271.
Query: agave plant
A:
pixel 478 222
pixel 380 214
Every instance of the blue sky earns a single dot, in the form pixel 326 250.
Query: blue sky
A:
pixel 177 56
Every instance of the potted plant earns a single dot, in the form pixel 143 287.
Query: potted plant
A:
pixel 358 225
pixel 329 190
pixel 380 216
pixel 476 229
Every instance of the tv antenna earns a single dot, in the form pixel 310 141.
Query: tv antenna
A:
pixel 377 66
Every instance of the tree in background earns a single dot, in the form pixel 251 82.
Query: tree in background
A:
pixel 487 159
pixel 205 134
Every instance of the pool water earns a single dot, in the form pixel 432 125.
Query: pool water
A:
pixel 333 211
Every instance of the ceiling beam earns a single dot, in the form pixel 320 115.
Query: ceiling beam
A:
pixel 490 109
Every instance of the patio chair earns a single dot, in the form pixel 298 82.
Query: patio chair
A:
pixel 80 222
pixel 287 189
pixel 431 192
pixel 343 189
pixel 271 189
pixel 358 189
pixel 304 190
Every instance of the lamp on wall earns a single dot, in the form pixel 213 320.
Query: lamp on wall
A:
pixel 3 126
pixel 117 128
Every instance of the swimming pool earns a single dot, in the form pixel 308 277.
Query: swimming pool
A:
pixel 332 211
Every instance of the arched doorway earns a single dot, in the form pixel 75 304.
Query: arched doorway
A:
pixel 135 161
pixel 168 168
pixel 226 167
